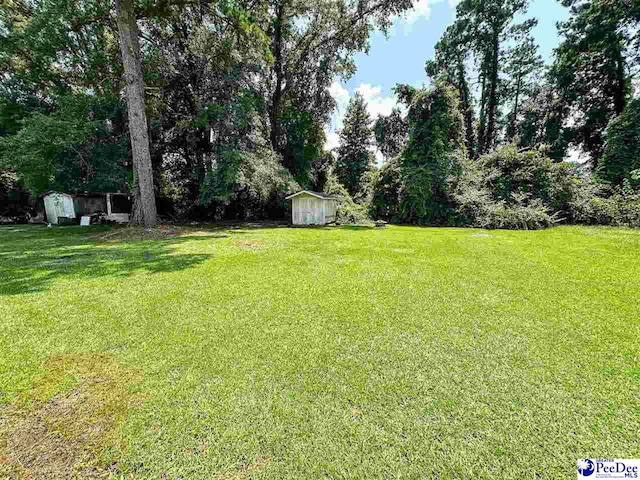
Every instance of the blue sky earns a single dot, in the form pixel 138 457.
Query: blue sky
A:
pixel 401 57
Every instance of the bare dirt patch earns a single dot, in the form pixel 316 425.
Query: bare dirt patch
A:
pixel 249 244
pixel 246 471
pixel 64 436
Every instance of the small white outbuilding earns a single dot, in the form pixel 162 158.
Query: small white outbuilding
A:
pixel 57 206
pixel 64 208
pixel 312 208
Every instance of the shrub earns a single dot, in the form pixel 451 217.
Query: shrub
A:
pixel 385 201
pixel 506 189
pixel 347 210
pixel 614 208
pixel 247 185
pixel 622 153
pixel 531 216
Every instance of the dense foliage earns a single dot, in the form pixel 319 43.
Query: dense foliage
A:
pixel 621 160
pixel 432 154
pixel 237 99
pixel 354 154
pixel 236 96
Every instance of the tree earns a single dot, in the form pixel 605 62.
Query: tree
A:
pixel 485 32
pixel 73 149
pixel 311 43
pixel 354 153
pixel 433 155
pixel 592 65
pixel 390 133
pixel 144 202
pixel 490 24
pixel 205 64
pixel 541 122
pixel 523 68
pixel 449 64
pixel 621 159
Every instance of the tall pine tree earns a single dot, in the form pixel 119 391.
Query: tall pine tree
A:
pixel 592 68
pixel 354 154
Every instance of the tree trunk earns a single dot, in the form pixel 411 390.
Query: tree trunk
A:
pixel 467 109
pixel 620 94
pixel 483 116
pixel 492 100
pixel 144 210
pixel 276 101
pixel 514 115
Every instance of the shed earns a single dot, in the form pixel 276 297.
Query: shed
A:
pixel 312 208
pixel 58 206
pixel 63 207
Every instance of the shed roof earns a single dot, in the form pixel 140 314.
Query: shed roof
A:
pixel 54 192
pixel 321 195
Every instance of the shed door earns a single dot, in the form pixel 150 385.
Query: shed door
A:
pixel 58 202
pixel 67 205
pixel 307 211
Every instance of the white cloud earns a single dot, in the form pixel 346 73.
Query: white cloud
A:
pixel 421 9
pixel 376 103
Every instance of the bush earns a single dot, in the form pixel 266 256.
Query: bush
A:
pixel 347 210
pixel 385 199
pixel 508 189
pixel 477 209
pixel 247 186
pixel 618 208
pixel 531 216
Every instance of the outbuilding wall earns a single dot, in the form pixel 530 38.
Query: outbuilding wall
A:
pixel 308 210
pixel 58 205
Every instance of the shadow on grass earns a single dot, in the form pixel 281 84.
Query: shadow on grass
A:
pixel 31 258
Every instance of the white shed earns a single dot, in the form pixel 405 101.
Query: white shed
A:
pixel 57 205
pixel 112 207
pixel 312 208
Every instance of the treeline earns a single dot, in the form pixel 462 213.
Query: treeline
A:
pixel 485 145
pixel 236 96
pixel 237 99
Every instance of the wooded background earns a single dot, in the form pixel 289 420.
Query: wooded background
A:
pixel 236 99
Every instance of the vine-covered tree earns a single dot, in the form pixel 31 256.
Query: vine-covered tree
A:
pixel 450 62
pixel 354 153
pixel 390 133
pixel 621 159
pixel 433 155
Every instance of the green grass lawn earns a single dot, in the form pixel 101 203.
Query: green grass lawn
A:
pixel 317 353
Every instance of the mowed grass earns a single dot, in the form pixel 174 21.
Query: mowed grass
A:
pixel 318 353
